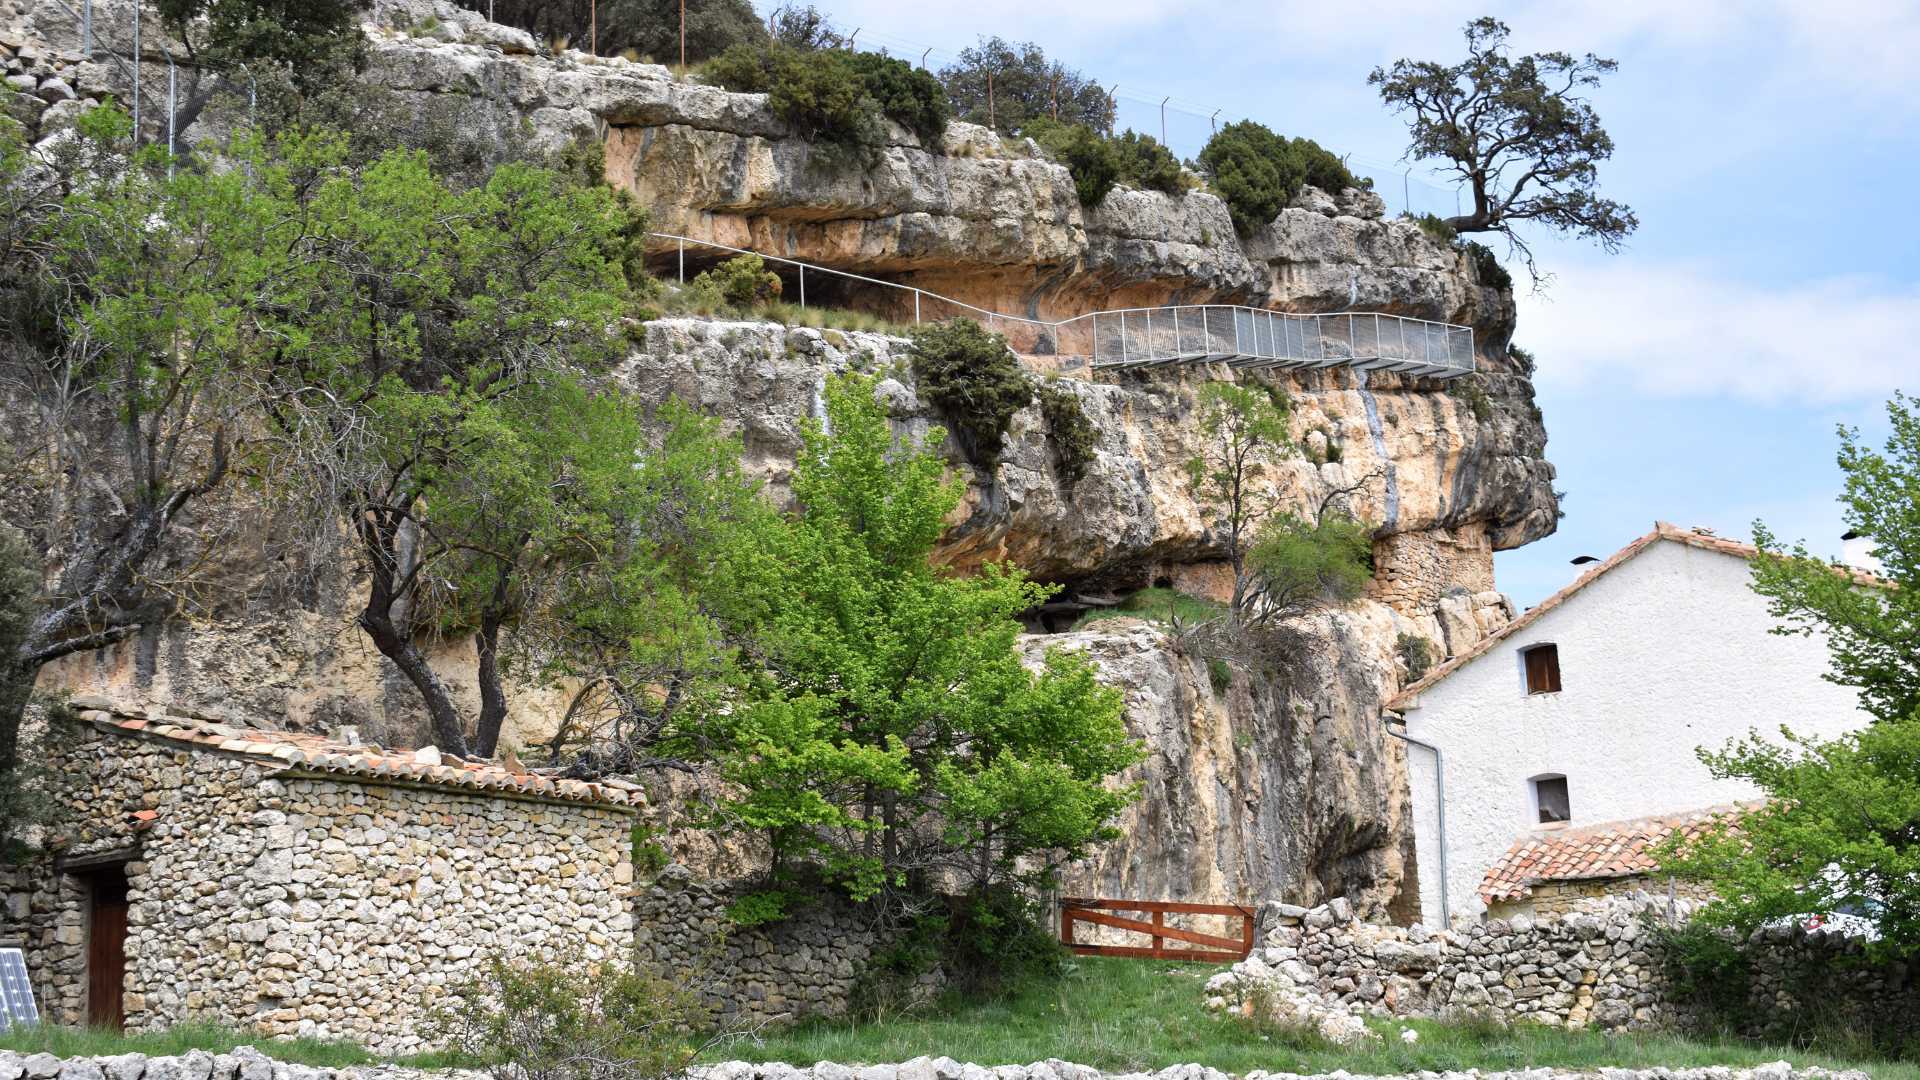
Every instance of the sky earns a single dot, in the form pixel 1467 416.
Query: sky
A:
pixel 1770 149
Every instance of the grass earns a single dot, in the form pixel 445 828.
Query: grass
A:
pixel 101 1042
pixel 1136 1015
pixel 1157 605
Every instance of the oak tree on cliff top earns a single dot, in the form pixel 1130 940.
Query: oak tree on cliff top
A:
pixel 1840 831
pixel 1517 131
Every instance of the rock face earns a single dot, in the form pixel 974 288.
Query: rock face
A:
pixel 1280 785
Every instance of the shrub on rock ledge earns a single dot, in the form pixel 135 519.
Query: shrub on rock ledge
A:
pixel 968 373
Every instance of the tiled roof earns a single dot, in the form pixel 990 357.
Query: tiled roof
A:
pixel 306 753
pixel 1697 538
pixel 1614 850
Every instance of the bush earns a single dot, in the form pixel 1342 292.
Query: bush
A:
pixel 1069 429
pixel 742 281
pixel 1435 226
pixel 968 373
pixel 1258 172
pixel 818 94
pixel 997 939
pixel 1146 164
pixel 565 1021
pixel 1091 160
pixel 1303 566
pixel 908 96
pixel 836 95
pixel 1486 268
pixel 1219 675
pixel 1415 652
pixel 1472 389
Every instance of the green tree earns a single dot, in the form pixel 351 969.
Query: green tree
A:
pixel 128 329
pixel 1244 437
pixel 895 732
pixel 423 380
pixel 1840 830
pixel 1517 132
pixel 19 589
pixel 1007 86
pixel 295 49
pixel 1296 565
pixel 1259 172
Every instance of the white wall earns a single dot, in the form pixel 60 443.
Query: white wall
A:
pixel 1665 653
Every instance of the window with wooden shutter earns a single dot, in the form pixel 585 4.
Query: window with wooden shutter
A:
pixel 1543 669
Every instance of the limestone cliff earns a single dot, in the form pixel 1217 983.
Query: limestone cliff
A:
pixel 1282 785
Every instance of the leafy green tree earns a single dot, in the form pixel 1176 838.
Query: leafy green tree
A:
pixel 805 27
pixel 896 732
pixel 1840 830
pixel 128 331
pixel 629 632
pixel 1145 163
pixel 1007 86
pixel 422 380
pixel 1259 172
pixel 1244 437
pixel 1517 131
pixel 836 95
pixel 1299 566
pixel 295 49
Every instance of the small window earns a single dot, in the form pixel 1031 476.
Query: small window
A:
pixel 1543 669
pixel 1550 798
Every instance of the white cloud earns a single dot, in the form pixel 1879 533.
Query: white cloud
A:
pixel 1687 330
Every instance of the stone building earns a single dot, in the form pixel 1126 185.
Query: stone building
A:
pixel 1558 873
pixel 1590 708
pixel 290 885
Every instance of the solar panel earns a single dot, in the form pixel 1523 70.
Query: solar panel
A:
pixel 16 993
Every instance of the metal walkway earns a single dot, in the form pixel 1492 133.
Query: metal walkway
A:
pixel 1128 338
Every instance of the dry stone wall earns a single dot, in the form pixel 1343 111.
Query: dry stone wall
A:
pixel 1602 968
pixel 810 964
pixel 247 1063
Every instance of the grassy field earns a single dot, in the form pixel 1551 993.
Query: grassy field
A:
pixel 1119 1014
pixel 95 1042
pixel 1114 1014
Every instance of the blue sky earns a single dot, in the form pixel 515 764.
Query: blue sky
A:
pixel 1771 150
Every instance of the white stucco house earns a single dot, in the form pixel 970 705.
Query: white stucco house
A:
pixel 1588 709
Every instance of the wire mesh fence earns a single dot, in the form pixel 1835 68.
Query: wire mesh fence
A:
pixel 1233 334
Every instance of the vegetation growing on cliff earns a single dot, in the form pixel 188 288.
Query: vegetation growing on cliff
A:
pixel 1517 132
pixel 836 95
pixel 1258 172
pixel 1098 163
pixel 1068 429
pixel 967 372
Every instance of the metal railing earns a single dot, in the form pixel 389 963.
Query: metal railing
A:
pixel 1234 334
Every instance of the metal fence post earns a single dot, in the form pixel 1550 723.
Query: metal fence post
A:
pixel 1150 349
pixel 86 28
pixel 172 109
pixel 803 288
pixel 683 261
pixel 136 74
pixel 916 307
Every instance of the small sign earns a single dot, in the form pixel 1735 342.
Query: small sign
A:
pixel 16 993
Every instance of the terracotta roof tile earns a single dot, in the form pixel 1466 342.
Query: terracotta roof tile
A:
pixel 1611 850
pixel 304 750
pixel 1705 541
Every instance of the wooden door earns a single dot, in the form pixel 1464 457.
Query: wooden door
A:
pixel 107 950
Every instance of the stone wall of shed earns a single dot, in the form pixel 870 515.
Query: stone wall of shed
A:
pixel 311 906
pixel 808 964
